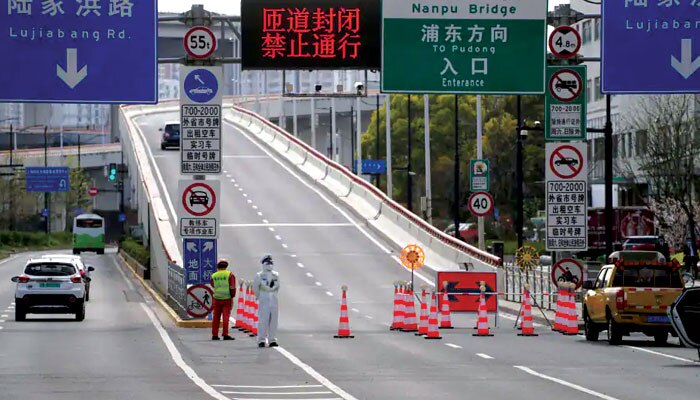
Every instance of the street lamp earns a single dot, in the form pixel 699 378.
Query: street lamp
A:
pixel 522 132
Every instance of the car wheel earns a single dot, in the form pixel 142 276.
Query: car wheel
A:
pixel 661 338
pixel 614 333
pixel 20 312
pixel 87 292
pixel 591 329
pixel 80 313
pixel 162 146
pixel 101 251
pixel 76 251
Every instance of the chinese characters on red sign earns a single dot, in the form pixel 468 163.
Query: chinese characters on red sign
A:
pixel 311 33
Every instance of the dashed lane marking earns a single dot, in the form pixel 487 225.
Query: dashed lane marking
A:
pixel 660 354
pixel 318 283
pixel 284 245
pixel 300 265
pixel 320 378
pixel 565 383
pixel 484 356
pixel 454 346
pixel 329 294
pixel 278 237
pixel 309 274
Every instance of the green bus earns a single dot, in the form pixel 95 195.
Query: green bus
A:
pixel 88 233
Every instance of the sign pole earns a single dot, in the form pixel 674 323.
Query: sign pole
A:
pixel 455 199
pixel 428 188
pixel 358 131
pixel 389 174
pixel 479 155
pixel 608 179
pixel 47 194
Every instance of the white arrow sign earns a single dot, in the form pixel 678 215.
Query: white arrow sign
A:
pixel 686 66
pixel 71 76
pixel 207 246
pixel 192 246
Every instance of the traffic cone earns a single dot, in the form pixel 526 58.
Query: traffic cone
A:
pixel 239 309
pixel 249 310
pixel 344 321
pixel 571 318
pixel 401 309
pixel 254 318
pixel 482 324
pixel 423 325
pixel 396 321
pixel 445 318
pixel 528 326
pixel 411 324
pixel 559 314
pixel 433 332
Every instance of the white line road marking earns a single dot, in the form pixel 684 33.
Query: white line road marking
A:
pixel 236 185
pixel 284 245
pixel 265 221
pixel 293 256
pixel 369 317
pixel 660 354
pixel 271 229
pixel 1 321
pixel 318 283
pixel 259 214
pixel 228 175
pixel 565 383
pixel 225 172
pixel 255 207
pixel 278 237
pixel 454 346
pixel 277 393
pixel 12 303
pixel 320 378
pixel 249 201
pixel 329 294
pixel 1 328
pixel 245 194
pixel 355 310
pixel 484 356
pixel 4 316
pixel 309 274
pixel 240 189
pixel 300 265
pixel 177 357
pixel 129 284
pixel 268 387
pixel 287 398
pixel 288 225
pixel 233 180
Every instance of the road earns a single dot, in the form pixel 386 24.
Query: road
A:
pixel 318 247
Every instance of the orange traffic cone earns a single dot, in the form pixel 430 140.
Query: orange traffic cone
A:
pixel 528 326
pixel 239 309
pixel 344 321
pixel 402 308
pixel 396 320
pixel 246 310
pixel 423 325
pixel 559 325
pixel 433 332
pixel 482 324
pixel 445 318
pixel 571 319
pixel 411 324
pixel 255 318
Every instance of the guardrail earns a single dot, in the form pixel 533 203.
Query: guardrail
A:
pixel 366 199
pixel 177 290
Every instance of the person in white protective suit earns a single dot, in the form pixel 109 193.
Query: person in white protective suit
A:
pixel 266 285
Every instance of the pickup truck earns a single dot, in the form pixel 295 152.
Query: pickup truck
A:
pixel 631 296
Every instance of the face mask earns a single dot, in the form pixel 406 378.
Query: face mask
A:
pixel 267 267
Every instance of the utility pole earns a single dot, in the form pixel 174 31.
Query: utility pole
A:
pixel 409 170
pixel 428 184
pixel 456 200
pixel 519 175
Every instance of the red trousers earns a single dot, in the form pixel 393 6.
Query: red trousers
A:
pixel 221 307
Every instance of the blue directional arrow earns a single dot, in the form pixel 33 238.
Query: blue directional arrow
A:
pixel 452 288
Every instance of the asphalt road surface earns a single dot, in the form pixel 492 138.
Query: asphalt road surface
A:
pixel 122 351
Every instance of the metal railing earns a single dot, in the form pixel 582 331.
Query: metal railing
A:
pixel 541 286
pixel 177 289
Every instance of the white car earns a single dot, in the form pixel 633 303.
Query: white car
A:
pixel 49 286
pixel 84 269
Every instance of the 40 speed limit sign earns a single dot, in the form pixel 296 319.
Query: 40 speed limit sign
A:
pixel 481 204
pixel 199 42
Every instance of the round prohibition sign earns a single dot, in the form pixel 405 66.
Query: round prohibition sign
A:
pixel 199 301
pixel 566 162
pixel 481 203
pixel 567 270
pixel 199 42
pixel 565 42
pixel 565 85
pixel 198 199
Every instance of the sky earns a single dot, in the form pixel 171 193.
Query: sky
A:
pixel 232 7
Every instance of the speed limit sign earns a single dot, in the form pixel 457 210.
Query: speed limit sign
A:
pixel 481 204
pixel 199 42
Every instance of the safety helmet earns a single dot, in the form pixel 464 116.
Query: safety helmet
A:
pixel 266 260
pixel 222 263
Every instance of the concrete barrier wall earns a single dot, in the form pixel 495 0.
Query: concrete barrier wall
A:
pixel 385 216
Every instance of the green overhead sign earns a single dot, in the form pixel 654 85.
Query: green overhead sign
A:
pixel 453 46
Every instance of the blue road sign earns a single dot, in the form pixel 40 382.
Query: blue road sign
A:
pixel 372 166
pixel 199 256
pixel 44 212
pixel 85 51
pixel 651 46
pixel 122 217
pixel 201 85
pixel 48 179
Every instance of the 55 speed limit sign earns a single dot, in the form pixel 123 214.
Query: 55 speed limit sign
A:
pixel 481 204
pixel 199 42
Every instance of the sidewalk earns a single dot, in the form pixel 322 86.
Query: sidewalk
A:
pixel 513 308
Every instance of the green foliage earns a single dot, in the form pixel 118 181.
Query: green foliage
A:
pixel 136 250
pixel 499 147
pixel 17 241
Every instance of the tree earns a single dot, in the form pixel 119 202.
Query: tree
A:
pixel 77 197
pixel 666 158
pixel 499 148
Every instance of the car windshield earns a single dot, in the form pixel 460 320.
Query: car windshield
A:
pixel 647 276
pixel 639 240
pixel 49 269
pixel 89 223
pixel 173 129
